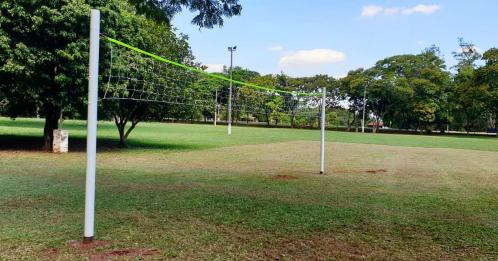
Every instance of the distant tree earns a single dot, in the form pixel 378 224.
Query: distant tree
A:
pixel 276 108
pixel 261 99
pixel 470 96
pixel 352 87
pixel 408 89
pixel 467 55
pixel 488 75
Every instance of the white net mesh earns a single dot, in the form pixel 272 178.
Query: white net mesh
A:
pixel 140 76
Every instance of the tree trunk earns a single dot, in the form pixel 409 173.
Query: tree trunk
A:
pixel 267 119
pixel 356 127
pixel 52 114
pixel 122 138
pixel 348 120
pixel 496 123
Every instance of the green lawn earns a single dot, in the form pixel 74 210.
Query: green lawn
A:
pixel 185 136
pixel 191 192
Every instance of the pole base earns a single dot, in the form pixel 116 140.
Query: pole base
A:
pixel 87 240
pixel 321 172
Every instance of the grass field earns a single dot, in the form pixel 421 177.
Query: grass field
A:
pixel 191 192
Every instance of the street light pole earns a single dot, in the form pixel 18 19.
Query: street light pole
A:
pixel 364 106
pixel 231 50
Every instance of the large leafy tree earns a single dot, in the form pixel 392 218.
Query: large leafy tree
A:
pixel 43 54
pixel 150 76
pixel 209 13
pixel 488 76
pixel 408 89
pixel 470 96
pixel 352 87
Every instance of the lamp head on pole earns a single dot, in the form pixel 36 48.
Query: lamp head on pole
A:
pixel 232 49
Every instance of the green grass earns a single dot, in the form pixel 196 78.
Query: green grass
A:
pixel 191 192
pixel 184 136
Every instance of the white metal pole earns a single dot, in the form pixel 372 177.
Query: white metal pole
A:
pixel 322 125
pixel 215 107
pixel 364 107
pixel 230 96
pixel 91 140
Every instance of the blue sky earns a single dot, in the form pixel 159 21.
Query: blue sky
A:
pixel 304 38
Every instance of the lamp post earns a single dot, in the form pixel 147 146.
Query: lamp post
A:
pixel 364 107
pixel 231 50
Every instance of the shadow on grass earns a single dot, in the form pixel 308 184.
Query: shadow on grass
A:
pixel 78 144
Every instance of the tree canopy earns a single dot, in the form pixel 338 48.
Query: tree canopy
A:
pixel 208 13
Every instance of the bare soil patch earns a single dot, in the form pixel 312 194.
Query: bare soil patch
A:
pixel 50 253
pixel 79 245
pixel 375 171
pixel 284 177
pixel 140 253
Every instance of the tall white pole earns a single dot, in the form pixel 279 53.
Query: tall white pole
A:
pixel 91 140
pixel 230 95
pixel 364 107
pixel 322 126
pixel 215 107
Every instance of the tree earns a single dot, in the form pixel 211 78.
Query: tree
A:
pixel 488 75
pixel 43 52
pixel 352 87
pixel 276 108
pixel 470 95
pixel 467 55
pixel 261 99
pixel 209 13
pixel 408 90
pixel 150 77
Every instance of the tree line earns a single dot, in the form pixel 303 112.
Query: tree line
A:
pixel 408 92
pixel 419 92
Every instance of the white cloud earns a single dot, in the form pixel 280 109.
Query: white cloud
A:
pixel 275 48
pixel 214 67
pixel 391 11
pixel 422 9
pixel 374 10
pixel 312 57
pixel 371 10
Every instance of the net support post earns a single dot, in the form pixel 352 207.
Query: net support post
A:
pixel 322 132
pixel 230 110
pixel 91 140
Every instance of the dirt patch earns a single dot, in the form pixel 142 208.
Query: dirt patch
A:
pixel 139 253
pixel 315 249
pixel 151 187
pixel 50 253
pixel 284 177
pixel 375 171
pixel 79 245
